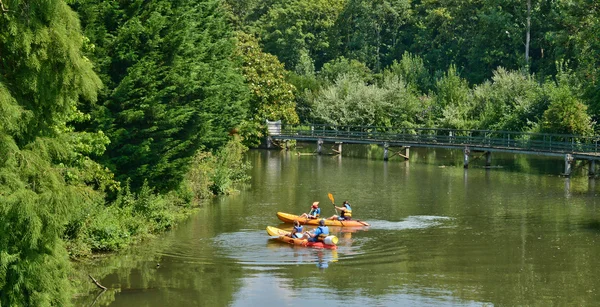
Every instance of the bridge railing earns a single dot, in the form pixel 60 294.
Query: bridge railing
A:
pixel 452 137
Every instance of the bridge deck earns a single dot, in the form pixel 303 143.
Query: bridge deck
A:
pixel 581 147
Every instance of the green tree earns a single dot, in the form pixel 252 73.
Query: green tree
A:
pixel 174 85
pixel 272 97
pixel 350 101
pixel 44 79
pixel 333 69
pixel 291 28
pixel 452 101
pixel 574 39
pixel 566 114
pixel 370 31
pixel 511 101
pixel 411 69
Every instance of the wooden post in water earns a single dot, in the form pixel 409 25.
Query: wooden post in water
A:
pixel 488 158
pixel 339 148
pixel 592 169
pixel 466 152
pixel 386 147
pixel 406 153
pixel 319 146
pixel 568 162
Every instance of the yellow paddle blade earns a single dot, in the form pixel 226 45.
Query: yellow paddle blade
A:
pixel 331 198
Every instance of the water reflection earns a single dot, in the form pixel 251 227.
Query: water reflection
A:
pixel 437 238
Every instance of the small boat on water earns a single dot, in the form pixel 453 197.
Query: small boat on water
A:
pixel 283 236
pixel 290 218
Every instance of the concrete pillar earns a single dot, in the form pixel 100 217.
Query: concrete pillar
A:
pixel 269 142
pixel 319 146
pixel 406 153
pixel 466 152
pixel 568 161
pixel 386 151
pixel 592 169
pixel 488 158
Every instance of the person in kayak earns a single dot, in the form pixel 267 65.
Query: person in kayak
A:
pixel 297 230
pixel 318 234
pixel 346 212
pixel 314 213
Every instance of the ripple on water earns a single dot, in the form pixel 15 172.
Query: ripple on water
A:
pixel 254 248
pixel 411 222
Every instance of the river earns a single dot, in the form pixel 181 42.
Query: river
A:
pixel 440 235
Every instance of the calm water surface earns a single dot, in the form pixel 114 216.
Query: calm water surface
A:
pixel 440 236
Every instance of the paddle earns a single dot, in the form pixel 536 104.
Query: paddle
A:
pixel 332 202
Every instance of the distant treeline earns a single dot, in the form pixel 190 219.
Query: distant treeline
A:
pixel 117 118
pixel 519 65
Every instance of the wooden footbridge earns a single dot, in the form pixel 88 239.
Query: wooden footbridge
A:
pixel 570 147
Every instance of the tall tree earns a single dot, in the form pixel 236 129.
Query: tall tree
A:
pixel 43 80
pixel 370 31
pixel 576 39
pixel 173 84
pixel 291 28
pixel 272 97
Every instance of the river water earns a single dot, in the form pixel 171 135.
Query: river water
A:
pixel 440 235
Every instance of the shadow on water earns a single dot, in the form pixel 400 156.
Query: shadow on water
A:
pixel 592 226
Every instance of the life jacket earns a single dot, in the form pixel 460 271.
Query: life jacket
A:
pixel 315 212
pixel 324 233
pixel 348 212
pixel 298 228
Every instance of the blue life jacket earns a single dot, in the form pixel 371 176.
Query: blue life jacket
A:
pixel 323 233
pixel 315 212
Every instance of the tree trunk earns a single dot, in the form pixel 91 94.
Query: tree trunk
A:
pixel 528 35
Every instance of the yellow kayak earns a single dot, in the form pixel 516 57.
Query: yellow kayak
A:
pixel 290 218
pixel 282 236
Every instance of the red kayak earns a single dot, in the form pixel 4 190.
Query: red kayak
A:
pixel 283 236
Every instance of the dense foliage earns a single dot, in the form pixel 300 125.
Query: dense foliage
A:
pixel 112 129
pixel 44 77
pixel 456 57
pixel 89 168
pixel 172 85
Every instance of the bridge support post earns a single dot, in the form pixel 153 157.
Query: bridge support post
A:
pixel 269 142
pixel 488 158
pixel 406 153
pixel 386 151
pixel 592 169
pixel 568 161
pixel 319 146
pixel 466 152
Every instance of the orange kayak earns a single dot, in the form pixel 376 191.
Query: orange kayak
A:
pixel 283 237
pixel 290 218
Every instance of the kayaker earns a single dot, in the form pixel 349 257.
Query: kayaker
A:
pixel 314 213
pixel 319 233
pixel 297 230
pixel 346 212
